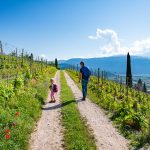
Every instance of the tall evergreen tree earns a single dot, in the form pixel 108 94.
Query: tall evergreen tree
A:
pixel 31 56
pixel 140 85
pixel 128 72
pixel 56 63
pixel 144 88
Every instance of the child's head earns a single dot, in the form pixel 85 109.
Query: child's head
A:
pixel 52 80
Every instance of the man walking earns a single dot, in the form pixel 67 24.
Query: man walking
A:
pixel 84 78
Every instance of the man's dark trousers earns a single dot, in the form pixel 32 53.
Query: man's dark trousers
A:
pixel 84 87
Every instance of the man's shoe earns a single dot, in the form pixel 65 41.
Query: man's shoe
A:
pixel 83 98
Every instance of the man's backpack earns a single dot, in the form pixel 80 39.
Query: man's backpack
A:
pixel 86 72
pixel 55 88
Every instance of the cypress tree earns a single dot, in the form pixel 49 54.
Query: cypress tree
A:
pixel 139 84
pixel 144 88
pixel 56 63
pixel 31 56
pixel 128 72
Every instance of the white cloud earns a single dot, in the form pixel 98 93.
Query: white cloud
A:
pixel 113 46
pixel 141 47
pixel 43 56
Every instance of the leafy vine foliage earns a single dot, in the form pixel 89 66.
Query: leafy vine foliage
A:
pixel 129 109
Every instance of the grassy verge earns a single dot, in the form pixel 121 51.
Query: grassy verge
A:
pixel 76 134
pixel 21 112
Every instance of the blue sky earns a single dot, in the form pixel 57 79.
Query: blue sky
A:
pixel 77 28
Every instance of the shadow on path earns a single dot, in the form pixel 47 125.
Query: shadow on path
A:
pixel 61 104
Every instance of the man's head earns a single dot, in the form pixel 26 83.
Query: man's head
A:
pixel 82 64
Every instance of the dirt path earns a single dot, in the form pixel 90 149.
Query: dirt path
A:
pixel 107 137
pixel 48 133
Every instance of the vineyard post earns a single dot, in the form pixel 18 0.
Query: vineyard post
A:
pixel 1 48
pixel 16 54
pixel 22 57
pixel 98 81
pixel 102 76
pixel 77 70
pixel 120 84
pixel 98 76
pixel 41 64
pixel 31 59
pixel 1 52
pixel 114 93
pixel 139 95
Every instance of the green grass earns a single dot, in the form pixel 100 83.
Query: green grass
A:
pixel 27 102
pixel 76 134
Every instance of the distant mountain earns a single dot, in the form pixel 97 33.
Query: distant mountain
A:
pixel 61 61
pixel 140 65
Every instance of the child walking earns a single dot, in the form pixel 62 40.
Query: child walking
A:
pixel 53 89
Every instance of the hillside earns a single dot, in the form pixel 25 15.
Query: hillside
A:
pixel 140 65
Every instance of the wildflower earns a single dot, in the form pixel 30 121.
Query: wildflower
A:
pixel 7 131
pixel 14 124
pixel 7 136
pixel 17 113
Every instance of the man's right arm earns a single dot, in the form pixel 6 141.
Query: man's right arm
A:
pixel 80 75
